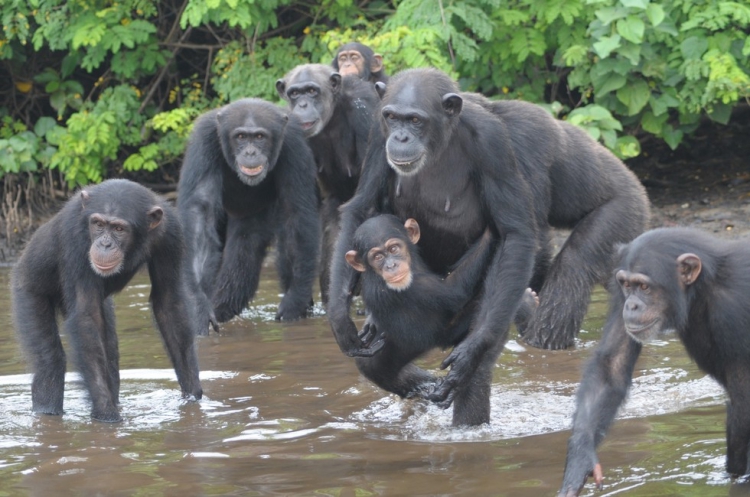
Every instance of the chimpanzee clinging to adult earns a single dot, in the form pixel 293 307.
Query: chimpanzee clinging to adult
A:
pixel 336 114
pixel 72 266
pixel 357 59
pixel 669 279
pixel 248 177
pixel 411 309
pixel 459 166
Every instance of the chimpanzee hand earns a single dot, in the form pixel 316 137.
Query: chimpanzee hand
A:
pixel 370 335
pixel 355 344
pixel 292 307
pixel 463 361
pixel 579 465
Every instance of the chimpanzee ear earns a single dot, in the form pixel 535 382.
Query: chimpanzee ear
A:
pixel 452 104
pixel 353 259
pixel 335 81
pixel 380 88
pixel 155 215
pixel 412 227
pixel 84 198
pixel 281 88
pixel 377 63
pixel 688 268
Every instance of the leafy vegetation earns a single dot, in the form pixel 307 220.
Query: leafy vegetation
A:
pixel 94 88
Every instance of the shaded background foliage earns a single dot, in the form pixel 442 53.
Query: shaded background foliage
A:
pixel 91 89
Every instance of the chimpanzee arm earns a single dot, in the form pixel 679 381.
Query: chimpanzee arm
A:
pixel 507 199
pixel 201 212
pixel 172 305
pixel 301 224
pixel 606 380
pixel 365 203
pixel 467 272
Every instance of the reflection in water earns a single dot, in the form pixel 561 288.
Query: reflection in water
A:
pixel 285 413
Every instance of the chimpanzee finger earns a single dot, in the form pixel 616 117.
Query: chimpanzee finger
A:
pixel 369 351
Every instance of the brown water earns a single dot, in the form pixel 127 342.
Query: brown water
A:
pixel 285 413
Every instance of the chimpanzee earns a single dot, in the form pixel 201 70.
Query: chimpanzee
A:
pixel 357 59
pixel 669 279
pixel 409 306
pixel 458 166
pixel 336 114
pixel 73 264
pixel 248 177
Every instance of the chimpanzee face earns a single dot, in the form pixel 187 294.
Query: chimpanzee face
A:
pixel 649 307
pixel 310 90
pixel 110 239
pixel 416 122
pixel 251 137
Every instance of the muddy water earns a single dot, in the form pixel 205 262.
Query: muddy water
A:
pixel 285 413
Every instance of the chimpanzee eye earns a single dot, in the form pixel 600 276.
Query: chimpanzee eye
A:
pixel 377 257
pixel 626 284
pixel 240 136
pixel 259 136
pixel 293 94
pixel 393 249
pixel 390 116
pixel 312 92
pixel 119 228
pixel 644 287
pixel 416 120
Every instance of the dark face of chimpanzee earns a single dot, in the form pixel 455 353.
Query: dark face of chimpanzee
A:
pixel 311 90
pixel 653 286
pixel 382 245
pixel 417 120
pixel 251 132
pixel 112 236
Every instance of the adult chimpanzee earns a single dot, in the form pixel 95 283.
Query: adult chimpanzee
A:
pixel 336 114
pixel 410 307
pixel 459 167
pixel 358 59
pixel 248 177
pixel 73 264
pixel 669 279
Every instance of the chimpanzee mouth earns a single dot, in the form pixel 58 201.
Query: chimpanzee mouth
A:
pixel 252 171
pixel 406 166
pixel 400 281
pixel 309 124
pixel 104 269
pixel 642 332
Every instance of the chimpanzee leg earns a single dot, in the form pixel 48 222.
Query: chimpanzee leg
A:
pixel 471 406
pixel 586 258
pixel 329 216
pixel 392 370
pixel 39 336
pixel 246 243
pixel 738 419
pixel 111 348
pixel 85 326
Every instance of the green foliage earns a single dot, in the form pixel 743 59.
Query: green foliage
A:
pixel 100 87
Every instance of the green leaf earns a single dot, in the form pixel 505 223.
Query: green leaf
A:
pixel 694 47
pixel 635 96
pixel 606 45
pixel 720 113
pixel 607 15
pixel 627 146
pixel 613 82
pixel 653 124
pixel 671 136
pixel 638 4
pixel 631 28
pixel 655 14
pixel 44 125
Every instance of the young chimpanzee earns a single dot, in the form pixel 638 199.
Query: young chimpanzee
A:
pixel 411 309
pixel 336 114
pixel 248 178
pixel 669 279
pixel 358 59
pixel 73 264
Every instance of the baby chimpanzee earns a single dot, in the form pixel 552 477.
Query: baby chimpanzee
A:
pixel 411 309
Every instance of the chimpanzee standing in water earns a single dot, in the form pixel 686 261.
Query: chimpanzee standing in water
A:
pixel 670 279
pixel 73 264
pixel 248 177
pixel 459 165
pixel 358 59
pixel 411 309
pixel 336 115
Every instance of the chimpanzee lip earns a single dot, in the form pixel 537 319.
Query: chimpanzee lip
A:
pixel 104 268
pixel 252 171
pixel 309 124
pixel 640 329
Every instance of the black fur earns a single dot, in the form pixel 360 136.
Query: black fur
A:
pixel 229 223
pixel 54 274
